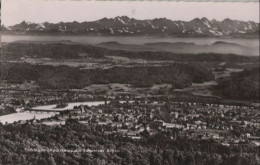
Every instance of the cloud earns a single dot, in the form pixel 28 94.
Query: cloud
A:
pixel 15 11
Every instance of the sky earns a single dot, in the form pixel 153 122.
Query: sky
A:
pixel 54 11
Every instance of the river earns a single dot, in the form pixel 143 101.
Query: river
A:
pixel 22 116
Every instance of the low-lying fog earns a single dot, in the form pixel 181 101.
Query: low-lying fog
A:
pixel 240 46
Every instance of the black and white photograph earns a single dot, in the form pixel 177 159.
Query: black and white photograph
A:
pixel 129 83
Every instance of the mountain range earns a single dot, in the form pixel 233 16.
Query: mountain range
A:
pixel 123 25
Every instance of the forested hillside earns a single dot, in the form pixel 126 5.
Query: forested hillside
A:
pixel 67 77
pixel 243 85
pixel 15 51
pixel 156 149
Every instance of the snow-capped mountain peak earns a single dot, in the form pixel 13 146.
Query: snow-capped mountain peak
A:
pixel 123 25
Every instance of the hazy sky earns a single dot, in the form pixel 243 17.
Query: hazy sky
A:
pixel 38 11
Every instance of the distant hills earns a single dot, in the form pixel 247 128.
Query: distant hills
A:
pixel 125 26
pixel 68 50
pixel 183 47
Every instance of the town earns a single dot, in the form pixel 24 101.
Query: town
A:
pixel 138 116
pixel 229 125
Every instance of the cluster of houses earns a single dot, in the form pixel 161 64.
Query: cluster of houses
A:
pixel 190 120
pixel 134 119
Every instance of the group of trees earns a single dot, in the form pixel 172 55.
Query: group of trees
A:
pixel 243 85
pixel 14 51
pixel 7 110
pixel 156 149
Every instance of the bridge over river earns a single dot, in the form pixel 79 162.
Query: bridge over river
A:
pixel 46 110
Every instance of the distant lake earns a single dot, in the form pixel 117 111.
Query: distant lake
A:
pixel 249 42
